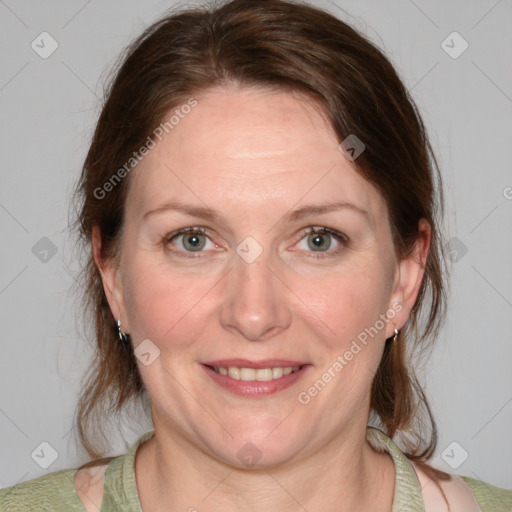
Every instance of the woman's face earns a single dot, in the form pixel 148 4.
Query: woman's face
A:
pixel 254 288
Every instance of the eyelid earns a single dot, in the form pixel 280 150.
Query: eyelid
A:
pixel 183 231
pixel 323 229
pixel 340 237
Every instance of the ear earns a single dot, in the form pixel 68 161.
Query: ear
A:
pixel 408 278
pixel 111 279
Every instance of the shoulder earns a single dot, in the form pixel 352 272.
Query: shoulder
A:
pixel 462 494
pixel 490 497
pixel 55 491
pixel 78 489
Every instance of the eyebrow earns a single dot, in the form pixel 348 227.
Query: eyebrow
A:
pixel 212 215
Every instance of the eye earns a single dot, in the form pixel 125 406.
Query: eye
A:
pixel 319 240
pixel 192 240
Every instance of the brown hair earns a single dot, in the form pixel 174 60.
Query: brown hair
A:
pixel 293 47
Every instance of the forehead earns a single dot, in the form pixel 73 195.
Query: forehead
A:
pixel 265 149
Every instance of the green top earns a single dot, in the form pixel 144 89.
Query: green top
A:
pixel 56 491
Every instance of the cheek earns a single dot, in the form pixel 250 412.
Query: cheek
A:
pixel 155 301
pixel 349 300
pixel 162 305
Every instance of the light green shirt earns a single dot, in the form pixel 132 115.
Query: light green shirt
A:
pixel 56 491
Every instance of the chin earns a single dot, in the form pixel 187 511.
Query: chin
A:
pixel 255 447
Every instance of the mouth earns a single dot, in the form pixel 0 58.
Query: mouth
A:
pixel 249 378
pixel 258 374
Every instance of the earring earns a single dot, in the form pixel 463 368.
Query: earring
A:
pixel 395 337
pixel 123 337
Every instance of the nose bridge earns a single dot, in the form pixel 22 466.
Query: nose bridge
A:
pixel 255 304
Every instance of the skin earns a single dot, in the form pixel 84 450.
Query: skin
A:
pixel 254 155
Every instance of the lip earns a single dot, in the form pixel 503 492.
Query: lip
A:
pixel 254 388
pixel 245 363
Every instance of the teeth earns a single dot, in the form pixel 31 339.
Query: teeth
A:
pixel 277 373
pixel 263 374
pixel 260 374
pixel 248 373
pixel 234 373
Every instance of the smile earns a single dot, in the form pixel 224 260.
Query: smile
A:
pixel 250 379
pixel 260 374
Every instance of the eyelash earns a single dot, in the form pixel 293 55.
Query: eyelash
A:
pixel 341 238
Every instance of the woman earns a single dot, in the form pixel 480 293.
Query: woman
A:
pixel 262 207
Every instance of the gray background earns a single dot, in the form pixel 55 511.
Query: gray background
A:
pixel 48 108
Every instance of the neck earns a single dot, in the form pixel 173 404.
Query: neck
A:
pixel 345 475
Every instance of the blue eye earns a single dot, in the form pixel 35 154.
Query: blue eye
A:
pixel 193 239
pixel 321 238
pixel 318 239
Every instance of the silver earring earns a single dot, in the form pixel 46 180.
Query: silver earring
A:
pixel 395 337
pixel 123 337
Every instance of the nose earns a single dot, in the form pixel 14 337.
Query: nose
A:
pixel 257 303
